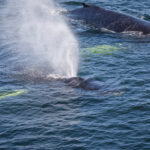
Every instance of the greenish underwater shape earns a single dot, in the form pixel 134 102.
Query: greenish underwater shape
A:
pixel 104 49
pixel 12 93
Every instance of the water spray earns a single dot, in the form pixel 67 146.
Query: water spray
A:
pixel 40 36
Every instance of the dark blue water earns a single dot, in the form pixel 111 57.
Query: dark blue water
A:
pixel 54 116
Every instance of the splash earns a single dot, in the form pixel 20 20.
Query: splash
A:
pixel 39 35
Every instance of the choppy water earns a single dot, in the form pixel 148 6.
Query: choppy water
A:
pixel 55 116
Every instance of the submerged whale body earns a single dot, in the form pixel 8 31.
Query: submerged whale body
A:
pixel 118 22
pixel 74 82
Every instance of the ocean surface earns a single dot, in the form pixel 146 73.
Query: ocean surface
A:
pixel 50 115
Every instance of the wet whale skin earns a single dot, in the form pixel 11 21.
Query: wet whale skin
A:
pixel 118 22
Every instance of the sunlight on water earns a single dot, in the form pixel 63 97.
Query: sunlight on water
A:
pixel 38 33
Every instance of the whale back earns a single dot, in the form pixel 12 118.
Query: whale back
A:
pixel 99 17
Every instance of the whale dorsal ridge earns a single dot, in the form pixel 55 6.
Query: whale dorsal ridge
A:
pixel 85 5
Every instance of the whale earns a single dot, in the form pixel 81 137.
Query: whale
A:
pixel 85 84
pixel 91 84
pixel 101 18
pixel 77 82
pixel 36 76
